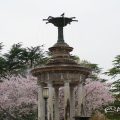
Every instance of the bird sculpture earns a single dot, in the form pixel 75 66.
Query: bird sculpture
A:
pixel 62 15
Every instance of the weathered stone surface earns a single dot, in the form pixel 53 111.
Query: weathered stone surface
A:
pixel 60 71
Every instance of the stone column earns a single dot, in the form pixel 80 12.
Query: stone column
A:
pixel 60 34
pixel 72 103
pixel 41 103
pixel 56 104
pixel 66 100
pixel 81 98
pixel 50 102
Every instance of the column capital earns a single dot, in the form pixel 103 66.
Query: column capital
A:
pixel 41 84
pixel 50 84
pixel 66 82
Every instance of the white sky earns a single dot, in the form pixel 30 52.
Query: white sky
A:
pixel 96 37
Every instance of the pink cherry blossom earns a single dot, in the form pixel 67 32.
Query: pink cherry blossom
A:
pixel 18 92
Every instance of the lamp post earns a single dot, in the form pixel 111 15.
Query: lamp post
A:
pixel 45 96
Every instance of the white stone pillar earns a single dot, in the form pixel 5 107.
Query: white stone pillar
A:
pixel 81 98
pixel 41 103
pixel 50 102
pixel 56 104
pixel 72 103
pixel 66 100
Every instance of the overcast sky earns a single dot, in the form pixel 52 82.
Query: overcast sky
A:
pixel 96 37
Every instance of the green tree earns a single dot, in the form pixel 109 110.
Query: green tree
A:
pixel 114 72
pixel 35 56
pixel 14 60
pixel 95 69
pixel 2 63
pixel 18 60
pixel 1 46
pixel 3 66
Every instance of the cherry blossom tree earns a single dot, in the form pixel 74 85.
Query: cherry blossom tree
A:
pixel 18 97
pixel 97 95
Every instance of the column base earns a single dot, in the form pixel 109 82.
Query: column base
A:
pixel 81 118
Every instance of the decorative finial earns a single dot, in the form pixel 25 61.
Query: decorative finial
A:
pixel 60 22
pixel 62 15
